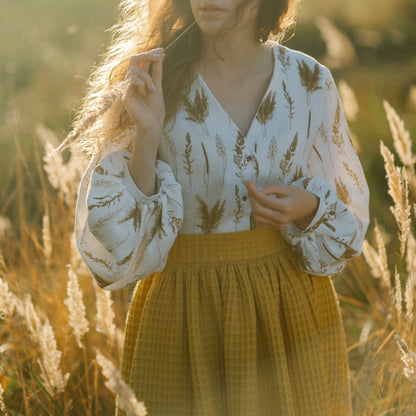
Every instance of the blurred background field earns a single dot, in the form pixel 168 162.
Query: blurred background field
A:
pixel 47 49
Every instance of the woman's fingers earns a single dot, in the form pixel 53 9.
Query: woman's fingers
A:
pixel 139 77
pixel 139 65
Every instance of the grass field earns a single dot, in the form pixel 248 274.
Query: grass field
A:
pixel 50 331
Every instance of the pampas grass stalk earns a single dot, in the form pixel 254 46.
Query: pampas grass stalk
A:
pixel 401 136
pixel 7 300
pixel 76 308
pixel 46 237
pixel 398 190
pixel 51 373
pixel 103 103
pixel 105 316
pixel 408 358
pixel 349 101
pixel 2 404
pixel 78 322
pixel 398 298
pixel 127 400
pixel 377 259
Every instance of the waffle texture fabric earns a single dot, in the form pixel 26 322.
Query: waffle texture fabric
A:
pixel 233 327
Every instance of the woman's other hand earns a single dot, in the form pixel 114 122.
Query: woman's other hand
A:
pixel 275 206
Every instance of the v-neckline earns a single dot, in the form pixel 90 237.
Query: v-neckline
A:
pixel 226 114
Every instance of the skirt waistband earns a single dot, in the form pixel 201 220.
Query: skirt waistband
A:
pixel 226 247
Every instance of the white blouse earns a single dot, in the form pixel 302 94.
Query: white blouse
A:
pixel 298 136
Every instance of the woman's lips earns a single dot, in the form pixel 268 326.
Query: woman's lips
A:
pixel 211 10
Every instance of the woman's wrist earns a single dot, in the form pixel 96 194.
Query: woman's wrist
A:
pixel 312 204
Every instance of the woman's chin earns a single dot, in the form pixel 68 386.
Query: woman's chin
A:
pixel 210 27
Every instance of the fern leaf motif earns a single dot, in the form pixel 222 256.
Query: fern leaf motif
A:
pixel 309 78
pixel 98 260
pixel 239 205
pixel 271 155
pixel 298 173
pixel 337 137
pixel 158 227
pixel 187 158
pixel 239 160
pixel 354 176
pixel 105 201
pixel 125 260
pixel 284 60
pixel 173 152
pixel 290 103
pixel 286 163
pixel 104 220
pixel 219 144
pixel 206 175
pixel 342 191
pixel 135 213
pixel 197 109
pixel 175 223
pixel 266 109
pixel 210 219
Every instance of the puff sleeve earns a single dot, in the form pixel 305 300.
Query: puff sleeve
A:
pixel 336 177
pixel 122 234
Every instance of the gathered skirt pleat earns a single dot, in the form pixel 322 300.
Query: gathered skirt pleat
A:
pixel 233 327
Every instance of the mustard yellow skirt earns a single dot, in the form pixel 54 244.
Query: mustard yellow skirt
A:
pixel 233 327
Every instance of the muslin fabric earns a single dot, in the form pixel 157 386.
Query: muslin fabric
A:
pixel 298 137
pixel 233 327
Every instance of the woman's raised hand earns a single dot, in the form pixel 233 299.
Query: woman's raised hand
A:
pixel 287 204
pixel 144 103
pixel 143 97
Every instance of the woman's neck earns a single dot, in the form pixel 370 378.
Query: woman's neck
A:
pixel 232 55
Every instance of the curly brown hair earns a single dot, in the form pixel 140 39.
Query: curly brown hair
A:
pixel 148 24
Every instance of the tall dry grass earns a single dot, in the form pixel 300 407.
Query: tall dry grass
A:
pixel 55 323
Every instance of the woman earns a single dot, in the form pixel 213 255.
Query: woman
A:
pixel 226 182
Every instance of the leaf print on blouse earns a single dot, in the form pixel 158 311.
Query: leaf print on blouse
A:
pixel 238 207
pixel 100 281
pixel 173 151
pixel 206 173
pixel 219 145
pixel 298 173
pixel 309 78
pixel 290 103
pixel 175 223
pixel 98 260
pixel 342 191
pixel 210 219
pixel 271 155
pixel 354 176
pixel 135 214
pixel 158 226
pixel 102 221
pixel 125 260
pixel 105 201
pixel 101 171
pixel 266 110
pixel 239 159
pixel 284 59
pixel 252 222
pixel 322 132
pixel 187 158
pixel 287 162
pixel 337 137
pixel 198 109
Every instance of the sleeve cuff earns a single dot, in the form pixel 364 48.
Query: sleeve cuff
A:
pixel 293 229
pixel 135 192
